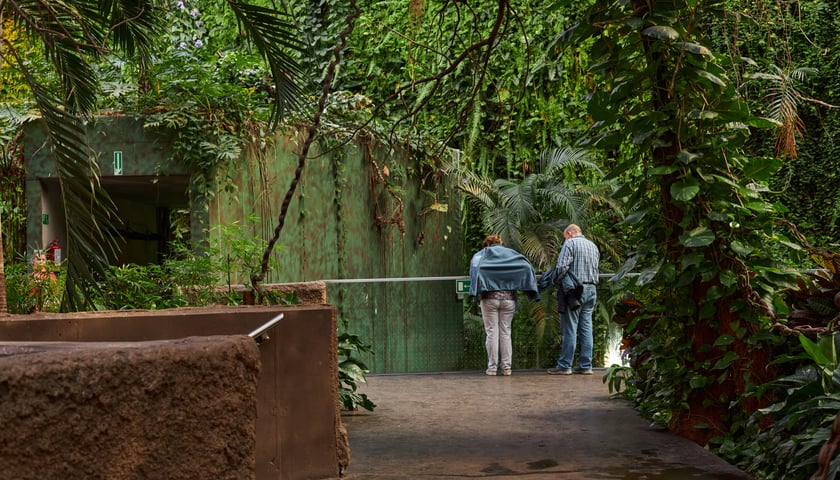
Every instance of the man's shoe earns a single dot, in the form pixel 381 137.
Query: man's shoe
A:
pixel 492 373
pixel 507 372
pixel 559 371
pixel 583 372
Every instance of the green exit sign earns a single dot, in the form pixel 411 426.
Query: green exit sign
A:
pixel 118 163
pixel 462 287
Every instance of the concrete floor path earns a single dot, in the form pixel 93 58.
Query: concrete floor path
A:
pixel 530 425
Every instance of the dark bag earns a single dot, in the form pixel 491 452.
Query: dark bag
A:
pixel 568 298
pixel 548 279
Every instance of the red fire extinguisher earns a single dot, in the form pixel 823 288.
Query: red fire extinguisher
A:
pixel 54 251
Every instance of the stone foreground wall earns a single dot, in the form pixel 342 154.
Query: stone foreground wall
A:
pixel 299 429
pixel 172 409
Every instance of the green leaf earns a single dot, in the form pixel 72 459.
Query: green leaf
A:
pixel 699 237
pixel 702 115
pixel 760 206
pixel 634 22
pixel 698 381
pixel 740 248
pixel 691 260
pixel 727 360
pixel 276 36
pixel 724 340
pixel 688 157
pixel 600 107
pixel 696 48
pixel 662 170
pixel 661 32
pixel 763 122
pixel 728 279
pixel 761 168
pixel 351 373
pixel 814 351
pixel 685 191
pixel 711 77
pixel 649 273
pixel 634 217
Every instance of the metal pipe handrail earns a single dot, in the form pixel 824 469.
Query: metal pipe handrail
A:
pixel 429 279
pixel 260 334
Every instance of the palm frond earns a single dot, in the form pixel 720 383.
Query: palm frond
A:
pixel 73 32
pixel 554 160
pixel 479 189
pixel 130 26
pixel 542 242
pixel 519 197
pixel 530 214
pixel 783 101
pixel 89 212
pixel 274 37
pixel 59 27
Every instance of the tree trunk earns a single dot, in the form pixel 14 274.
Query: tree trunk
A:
pixel 4 309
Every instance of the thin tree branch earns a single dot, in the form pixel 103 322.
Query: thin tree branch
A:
pixel 304 152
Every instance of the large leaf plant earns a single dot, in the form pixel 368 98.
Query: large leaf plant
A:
pixel 666 107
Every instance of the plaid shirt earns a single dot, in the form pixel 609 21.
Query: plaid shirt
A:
pixel 579 256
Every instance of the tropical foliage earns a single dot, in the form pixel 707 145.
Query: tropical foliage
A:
pixel 86 45
pixel 352 370
pixel 189 278
pixel 531 213
pixel 71 37
pixel 713 124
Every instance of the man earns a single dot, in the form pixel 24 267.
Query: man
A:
pixel 578 257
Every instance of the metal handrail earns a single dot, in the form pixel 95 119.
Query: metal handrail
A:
pixel 260 334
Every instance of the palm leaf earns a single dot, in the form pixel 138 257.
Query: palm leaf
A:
pixel 273 36
pixel 554 160
pixel 530 214
pixel 57 25
pixel 88 211
pixel 542 242
pixel 73 32
pixel 130 26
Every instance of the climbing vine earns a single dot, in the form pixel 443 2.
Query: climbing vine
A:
pixel 699 217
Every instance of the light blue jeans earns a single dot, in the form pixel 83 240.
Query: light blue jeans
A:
pixel 576 326
pixel 498 316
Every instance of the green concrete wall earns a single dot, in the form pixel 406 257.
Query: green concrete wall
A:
pixel 148 186
pixel 337 227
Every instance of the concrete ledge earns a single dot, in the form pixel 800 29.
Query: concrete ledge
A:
pixel 179 409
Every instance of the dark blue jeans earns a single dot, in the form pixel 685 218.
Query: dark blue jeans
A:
pixel 576 327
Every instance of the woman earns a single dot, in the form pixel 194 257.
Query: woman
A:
pixel 496 274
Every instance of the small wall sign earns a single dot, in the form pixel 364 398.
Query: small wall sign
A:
pixel 118 163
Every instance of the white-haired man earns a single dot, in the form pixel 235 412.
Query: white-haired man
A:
pixel 578 257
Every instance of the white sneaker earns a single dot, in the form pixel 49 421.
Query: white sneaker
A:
pixel 490 372
pixel 507 372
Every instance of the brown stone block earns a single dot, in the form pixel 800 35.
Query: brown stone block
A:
pixel 173 409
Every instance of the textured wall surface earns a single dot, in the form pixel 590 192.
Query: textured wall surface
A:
pixel 351 219
pixel 179 409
